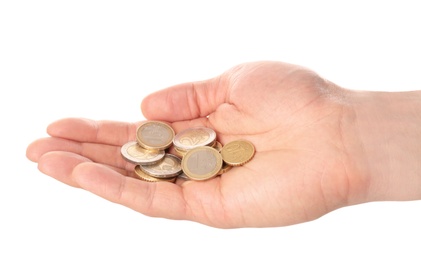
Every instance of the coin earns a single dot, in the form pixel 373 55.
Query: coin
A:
pixel 225 167
pixel 180 152
pixel 218 146
pixel 132 152
pixel 183 176
pixel 169 167
pixel 198 155
pixel 194 137
pixel 237 152
pixel 146 177
pixel 154 135
pixel 201 163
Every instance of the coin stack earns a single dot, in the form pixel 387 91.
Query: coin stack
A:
pixel 199 155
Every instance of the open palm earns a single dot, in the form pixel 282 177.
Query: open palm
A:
pixel 300 171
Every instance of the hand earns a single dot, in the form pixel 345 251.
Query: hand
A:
pixel 304 166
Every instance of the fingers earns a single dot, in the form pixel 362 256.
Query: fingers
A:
pixel 153 199
pixel 185 101
pixel 44 145
pixel 59 165
pixel 86 130
pixel 100 153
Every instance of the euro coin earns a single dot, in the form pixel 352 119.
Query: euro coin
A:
pixel 218 146
pixel 146 177
pixel 225 167
pixel 154 135
pixel 168 167
pixel 201 163
pixel 181 153
pixel 183 176
pixel 238 152
pixel 132 152
pixel 194 137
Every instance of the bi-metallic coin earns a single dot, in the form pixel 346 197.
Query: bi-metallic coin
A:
pixel 132 152
pixel 169 167
pixel 194 137
pixel 201 163
pixel 146 177
pixel 155 135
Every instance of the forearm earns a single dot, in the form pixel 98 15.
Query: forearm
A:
pixel 387 126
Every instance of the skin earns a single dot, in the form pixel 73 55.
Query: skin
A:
pixel 319 147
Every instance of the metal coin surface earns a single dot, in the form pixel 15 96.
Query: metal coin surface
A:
pixel 202 163
pixel 194 137
pixel 154 135
pixel 183 176
pixel 132 152
pixel 146 177
pixel 225 167
pixel 217 145
pixel 180 152
pixel 168 167
pixel 237 152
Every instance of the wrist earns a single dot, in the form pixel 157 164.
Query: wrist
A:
pixel 385 129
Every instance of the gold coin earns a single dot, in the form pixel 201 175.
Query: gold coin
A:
pixel 183 176
pixel 237 152
pixel 154 135
pixel 180 152
pixel 201 163
pixel 170 166
pixel 194 137
pixel 146 177
pixel 225 167
pixel 132 152
pixel 218 146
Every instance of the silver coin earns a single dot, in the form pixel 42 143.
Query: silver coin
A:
pixel 132 152
pixel 183 176
pixel 194 137
pixel 168 167
pixel 146 177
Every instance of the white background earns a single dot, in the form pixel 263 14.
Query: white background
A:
pixel 98 59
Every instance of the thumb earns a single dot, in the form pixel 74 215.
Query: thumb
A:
pixel 185 101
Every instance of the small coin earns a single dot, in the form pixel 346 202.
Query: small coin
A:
pixel 168 167
pixel 183 176
pixel 225 168
pixel 194 137
pixel 180 152
pixel 237 152
pixel 218 146
pixel 146 177
pixel 154 135
pixel 201 163
pixel 132 152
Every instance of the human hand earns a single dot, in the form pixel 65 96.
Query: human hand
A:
pixel 303 168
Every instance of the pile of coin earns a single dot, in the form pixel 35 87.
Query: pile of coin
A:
pixel 199 155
